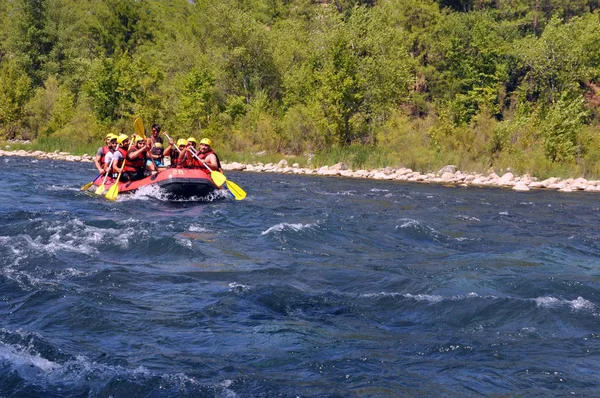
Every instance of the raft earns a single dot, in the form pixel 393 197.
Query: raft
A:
pixel 177 183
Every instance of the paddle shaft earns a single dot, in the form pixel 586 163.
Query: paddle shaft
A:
pixel 89 184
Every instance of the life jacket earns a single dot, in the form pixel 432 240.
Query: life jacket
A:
pixel 138 163
pixel 105 150
pixel 204 155
pixel 129 164
pixel 175 159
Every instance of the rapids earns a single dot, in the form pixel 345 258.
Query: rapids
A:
pixel 311 286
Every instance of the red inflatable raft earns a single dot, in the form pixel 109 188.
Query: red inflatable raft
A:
pixel 177 183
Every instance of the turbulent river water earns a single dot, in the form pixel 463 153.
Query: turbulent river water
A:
pixel 311 286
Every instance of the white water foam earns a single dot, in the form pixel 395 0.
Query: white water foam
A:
pixel 238 287
pixel 577 304
pixel 409 223
pixel 430 298
pixel 194 228
pixel 32 366
pixel 287 226
pixel 467 218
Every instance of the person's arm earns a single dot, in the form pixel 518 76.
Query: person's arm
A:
pixel 97 160
pixel 118 157
pixel 182 155
pixel 107 160
pixel 211 161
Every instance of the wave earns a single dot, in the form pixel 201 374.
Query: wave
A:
pixel 578 304
pixel 419 231
pixel 550 302
pixel 38 363
pixel 288 227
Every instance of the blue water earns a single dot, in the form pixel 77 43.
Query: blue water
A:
pixel 311 286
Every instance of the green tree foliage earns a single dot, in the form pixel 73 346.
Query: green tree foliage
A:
pixel 484 80
pixel 16 91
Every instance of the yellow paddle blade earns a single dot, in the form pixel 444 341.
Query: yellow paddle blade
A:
pixel 86 186
pixel 218 178
pixel 138 125
pixel 236 190
pixel 100 189
pixel 113 191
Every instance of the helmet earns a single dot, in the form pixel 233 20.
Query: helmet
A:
pixel 121 138
pixel 111 136
pixel 158 145
pixel 192 139
pixel 206 141
pixel 181 142
pixel 138 139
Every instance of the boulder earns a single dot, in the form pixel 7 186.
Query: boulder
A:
pixel 448 169
pixel 521 186
pixel 339 166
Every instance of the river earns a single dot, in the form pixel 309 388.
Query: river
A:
pixel 310 287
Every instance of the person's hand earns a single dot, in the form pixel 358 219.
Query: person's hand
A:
pixel 171 142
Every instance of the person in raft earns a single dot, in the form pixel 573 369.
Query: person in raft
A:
pixel 155 137
pixel 136 155
pixel 196 159
pixel 208 155
pixel 173 151
pixel 155 143
pixel 112 148
pixel 100 158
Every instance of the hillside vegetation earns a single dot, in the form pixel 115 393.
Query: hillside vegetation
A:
pixel 414 83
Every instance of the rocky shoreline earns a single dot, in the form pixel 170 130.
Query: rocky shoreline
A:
pixel 448 175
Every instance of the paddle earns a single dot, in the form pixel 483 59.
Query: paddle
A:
pixel 113 191
pixel 217 177
pixel 89 184
pixel 100 189
pixel 237 191
pixel 138 125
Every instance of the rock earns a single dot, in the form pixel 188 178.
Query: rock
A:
pixel 282 164
pixel 379 175
pixel 506 179
pixel 339 166
pixel 448 169
pixel 236 166
pixel 296 165
pixel 448 176
pixel 520 186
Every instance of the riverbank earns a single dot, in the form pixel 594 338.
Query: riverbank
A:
pixel 448 175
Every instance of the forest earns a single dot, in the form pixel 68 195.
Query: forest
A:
pixel 415 83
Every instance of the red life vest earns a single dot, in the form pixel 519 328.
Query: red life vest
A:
pixel 105 150
pixel 138 163
pixel 129 166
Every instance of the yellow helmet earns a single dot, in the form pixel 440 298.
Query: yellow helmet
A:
pixel 122 138
pixel 111 136
pixel 192 139
pixel 138 139
pixel 206 141
pixel 158 145
pixel 181 142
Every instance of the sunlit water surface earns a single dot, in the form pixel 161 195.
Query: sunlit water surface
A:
pixel 311 286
